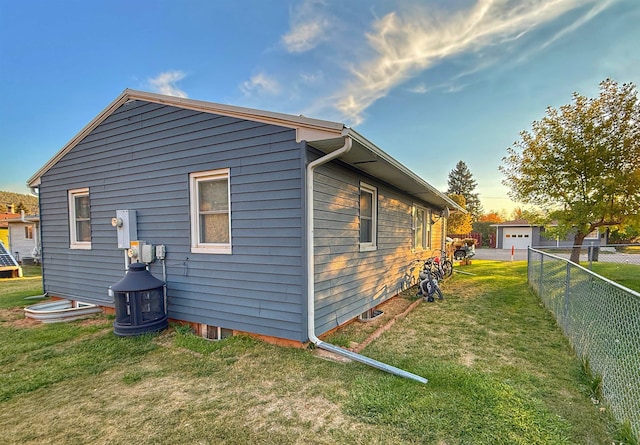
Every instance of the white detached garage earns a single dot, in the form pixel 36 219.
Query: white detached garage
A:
pixel 517 237
pixel 520 234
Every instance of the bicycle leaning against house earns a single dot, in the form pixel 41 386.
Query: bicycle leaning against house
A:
pixel 435 269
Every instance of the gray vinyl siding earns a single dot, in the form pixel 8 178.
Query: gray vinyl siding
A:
pixel 347 281
pixel 140 158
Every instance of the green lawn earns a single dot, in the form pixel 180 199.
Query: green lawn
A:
pixel 627 275
pixel 13 290
pixel 499 371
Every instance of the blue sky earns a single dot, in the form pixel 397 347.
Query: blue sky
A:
pixel 431 82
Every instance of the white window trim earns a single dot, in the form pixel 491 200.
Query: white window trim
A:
pixel 426 225
pixel 73 243
pixel 196 245
pixel 373 244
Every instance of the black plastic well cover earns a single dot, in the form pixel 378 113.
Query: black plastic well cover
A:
pixel 137 278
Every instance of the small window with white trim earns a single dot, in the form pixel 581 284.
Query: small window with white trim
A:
pixel 421 228
pixel 79 219
pixel 210 212
pixel 368 217
pixel 593 235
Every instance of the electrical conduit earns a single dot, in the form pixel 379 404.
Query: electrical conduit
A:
pixel 311 276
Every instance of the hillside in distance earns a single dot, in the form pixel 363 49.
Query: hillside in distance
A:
pixel 18 200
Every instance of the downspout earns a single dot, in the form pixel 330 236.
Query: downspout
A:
pixel 311 276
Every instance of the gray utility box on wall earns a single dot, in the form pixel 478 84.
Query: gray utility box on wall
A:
pixel 126 225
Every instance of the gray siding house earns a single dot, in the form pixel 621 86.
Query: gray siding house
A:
pixel 275 225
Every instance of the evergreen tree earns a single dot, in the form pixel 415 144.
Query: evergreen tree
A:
pixel 461 182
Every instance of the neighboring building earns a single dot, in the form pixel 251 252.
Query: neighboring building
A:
pixel 252 231
pixel 521 235
pixel 4 232
pixel 24 243
pixel 4 225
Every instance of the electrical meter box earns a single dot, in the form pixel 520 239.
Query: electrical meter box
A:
pixel 126 226
pixel 135 251
pixel 148 253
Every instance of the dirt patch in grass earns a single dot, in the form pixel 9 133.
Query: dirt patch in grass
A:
pixel 331 356
pixel 15 317
pixel 316 413
pixel 358 334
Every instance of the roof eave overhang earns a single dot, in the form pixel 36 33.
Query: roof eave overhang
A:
pixel 325 136
pixel 367 157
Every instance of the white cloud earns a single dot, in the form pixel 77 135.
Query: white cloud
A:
pixel 409 43
pixel 597 9
pixel 259 84
pixel 420 88
pixel 309 27
pixel 312 78
pixel 165 82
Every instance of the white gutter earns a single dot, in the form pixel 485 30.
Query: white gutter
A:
pixel 311 323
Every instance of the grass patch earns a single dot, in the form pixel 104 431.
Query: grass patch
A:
pixel 41 356
pixel 472 406
pixel 499 372
pixel 627 275
pixel 13 290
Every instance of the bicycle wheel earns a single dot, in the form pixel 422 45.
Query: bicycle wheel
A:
pixel 447 266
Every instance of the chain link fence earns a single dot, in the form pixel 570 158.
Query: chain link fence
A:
pixel 592 253
pixel 602 321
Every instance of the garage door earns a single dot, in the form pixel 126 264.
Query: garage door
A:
pixel 518 237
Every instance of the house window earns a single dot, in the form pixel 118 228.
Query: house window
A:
pixel 368 216
pixel 422 228
pixel 593 235
pixel 79 219
pixel 210 212
pixel 28 232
